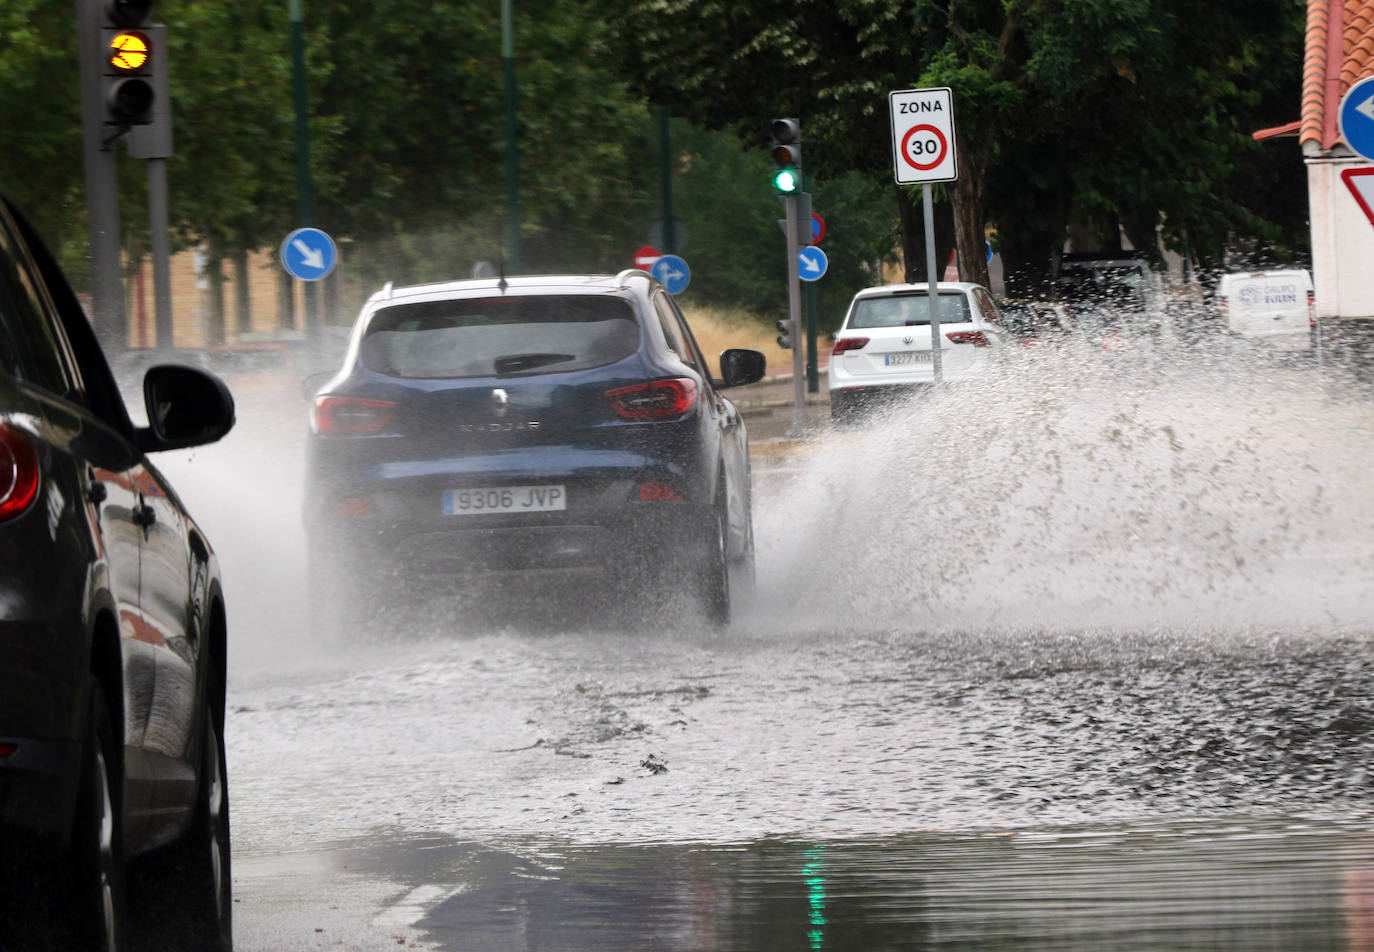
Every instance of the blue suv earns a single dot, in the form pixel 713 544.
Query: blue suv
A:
pixel 527 428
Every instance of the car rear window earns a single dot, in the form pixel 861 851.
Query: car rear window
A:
pixel 909 309
pixel 515 335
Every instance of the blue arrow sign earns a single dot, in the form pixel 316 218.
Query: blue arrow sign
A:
pixel 1357 117
pixel 671 272
pixel 308 254
pixel 811 263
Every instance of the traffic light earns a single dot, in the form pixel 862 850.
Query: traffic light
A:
pixel 784 334
pixel 134 89
pixel 130 62
pixel 786 155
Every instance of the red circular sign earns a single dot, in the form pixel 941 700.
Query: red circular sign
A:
pixel 645 256
pixel 925 148
pixel 817 228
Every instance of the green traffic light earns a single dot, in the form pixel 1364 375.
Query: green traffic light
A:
pixel 785 180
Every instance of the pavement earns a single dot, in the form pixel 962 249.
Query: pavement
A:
pixel 768 408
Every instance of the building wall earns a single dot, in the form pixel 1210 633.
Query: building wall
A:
pixel 1342 242
pixel 191 299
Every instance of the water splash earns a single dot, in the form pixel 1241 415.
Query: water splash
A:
pixel 1075 489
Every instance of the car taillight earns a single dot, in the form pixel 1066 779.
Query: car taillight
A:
pixel 658 492
pixel 655 400
pixel 352 506
pixel 976 338
pixel 848 343
pixel 351 416
pixel 18 472
pixel 1311 309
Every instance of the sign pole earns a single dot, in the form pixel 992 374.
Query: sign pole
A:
pixel 794 316
pixel 932 285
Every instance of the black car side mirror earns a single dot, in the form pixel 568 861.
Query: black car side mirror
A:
pixel 739 367
pixel 186 407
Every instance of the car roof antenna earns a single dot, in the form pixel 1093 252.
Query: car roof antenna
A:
pixel 501 270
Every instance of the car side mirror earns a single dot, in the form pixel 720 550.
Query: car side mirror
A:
pixel 186 407
pixel 739 366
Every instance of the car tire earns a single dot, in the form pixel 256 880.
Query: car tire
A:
pixel 324 598
pixel 713 577
pixel 97 884
pixel 193 875
pixel 844 410
pixel 345 598
pixel 744 578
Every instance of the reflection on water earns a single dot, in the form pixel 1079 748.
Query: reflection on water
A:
pixel 1254 887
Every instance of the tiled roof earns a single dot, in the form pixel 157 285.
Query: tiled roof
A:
pixel 1340 51
pixel 1359 42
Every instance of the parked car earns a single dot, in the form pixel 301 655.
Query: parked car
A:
pixel 1274 308
pixel 1116 298
pixel 883 348
pixel 1036 322
pixel 112 635
pixel 564 426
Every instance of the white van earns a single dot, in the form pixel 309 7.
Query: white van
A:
pixel 1273 306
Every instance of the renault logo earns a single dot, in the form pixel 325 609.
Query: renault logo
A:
pixel 500 402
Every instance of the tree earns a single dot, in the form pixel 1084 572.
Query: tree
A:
pixel 1131 108
pixel 40 109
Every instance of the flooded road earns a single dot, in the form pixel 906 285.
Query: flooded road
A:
pixel 1059 662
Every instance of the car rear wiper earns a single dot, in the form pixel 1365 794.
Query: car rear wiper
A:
pixel 518 363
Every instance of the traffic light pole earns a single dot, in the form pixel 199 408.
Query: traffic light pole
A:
pixel 794 316
pixel 102 193
pixel 162 251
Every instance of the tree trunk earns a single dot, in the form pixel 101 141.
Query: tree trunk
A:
pixel 214 281
pixel 970 234
pixel 286 299
pixel 909 206
pixel 242 293
pixel 329 294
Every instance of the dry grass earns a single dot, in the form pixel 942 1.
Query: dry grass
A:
pixel 718 328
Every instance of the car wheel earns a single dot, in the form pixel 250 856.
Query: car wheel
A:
pixel 714 575
pixel 97 858
pixel 193 874
pixel 744 578
pixel 844 410
pixel 344 599
pixel 324 598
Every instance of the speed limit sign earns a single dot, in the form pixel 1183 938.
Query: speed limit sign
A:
pixel 923 135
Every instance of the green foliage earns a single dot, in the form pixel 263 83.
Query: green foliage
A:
pixel 40 111
pixel 1067 109
pixel 1135 111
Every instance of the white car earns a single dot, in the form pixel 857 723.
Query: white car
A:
pixel 883 348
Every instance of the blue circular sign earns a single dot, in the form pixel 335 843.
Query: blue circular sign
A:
pixel 671 272
pixel 1357 117
pixel 308 254
pixel 811 263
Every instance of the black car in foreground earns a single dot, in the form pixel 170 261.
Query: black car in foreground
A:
pixel 536 428
pixel 112 640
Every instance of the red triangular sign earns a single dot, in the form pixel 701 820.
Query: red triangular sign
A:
pixel 1361 185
